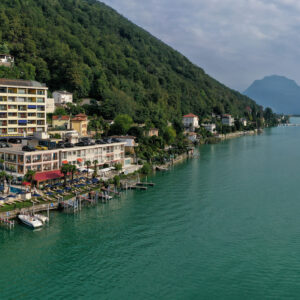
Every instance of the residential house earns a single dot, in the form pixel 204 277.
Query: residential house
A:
pixel 62 122
pixel 80 124
pixel 243 121
pixel 227 120
pixel 152 132
pixel 6 60
pixel 191 122
pixel 192 136
pixel 210 127
pixel 62 97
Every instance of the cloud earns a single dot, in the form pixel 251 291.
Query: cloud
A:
pixel 235 41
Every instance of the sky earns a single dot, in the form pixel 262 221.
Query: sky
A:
pixel 234 41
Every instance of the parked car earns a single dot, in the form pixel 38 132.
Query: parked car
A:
pixel 60 146
pixel 14 141
pixel 39 147
pixel 28 148
pixel 80 144
pixel 69 145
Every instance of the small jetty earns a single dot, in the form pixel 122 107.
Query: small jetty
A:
pixel 7 222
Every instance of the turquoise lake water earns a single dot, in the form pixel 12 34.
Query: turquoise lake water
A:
pixel 223 226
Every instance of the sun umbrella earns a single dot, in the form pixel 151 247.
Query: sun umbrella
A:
pixel 1 198
pixel 36 195
pixel 50 194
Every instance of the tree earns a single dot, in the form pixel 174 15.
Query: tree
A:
pixel 117 181
pixel 60 111
pixel 3 176
pixel 118 167
pixel 122 124
pixel 95 162
pixel 72 170
pixel 95 124
pixel 88 164
pixel 169 135
pixel 29 177
pixel 65 169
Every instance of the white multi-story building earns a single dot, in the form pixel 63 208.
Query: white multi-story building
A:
pixel 22 107
pixel 47 163
pixel 190 121
pixel 227 120
pixel 62 97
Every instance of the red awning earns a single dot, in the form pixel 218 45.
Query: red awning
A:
pixel 26 183
pixel 79 159
pixel 43 176
pixel 64 161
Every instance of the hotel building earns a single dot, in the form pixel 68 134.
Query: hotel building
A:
pixel 22 107
pixel 47 163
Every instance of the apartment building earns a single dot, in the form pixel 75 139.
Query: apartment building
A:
pixel 47 163
pixel 22 107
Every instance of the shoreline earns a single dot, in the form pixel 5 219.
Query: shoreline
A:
pixel 12 214
pixel 237 134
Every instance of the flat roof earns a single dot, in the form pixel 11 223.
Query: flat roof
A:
pixel 22 83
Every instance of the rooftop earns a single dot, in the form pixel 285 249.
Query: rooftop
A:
pixel 20 82
pixel 63 92
pixel 190 116
pixel 60 117
pixel 80 117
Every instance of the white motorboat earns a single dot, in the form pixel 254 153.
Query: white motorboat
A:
pixel 30 221
pixel 42 218
pixel 105 196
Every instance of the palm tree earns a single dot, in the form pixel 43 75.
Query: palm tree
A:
pixel 29 176
pixel 88 164
pixel 95 162
pixel 73 170
pixel 2 163
pixel 3 176
pixel 9 179
pixel 65 169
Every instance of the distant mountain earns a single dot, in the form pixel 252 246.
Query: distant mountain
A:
pixel 278 92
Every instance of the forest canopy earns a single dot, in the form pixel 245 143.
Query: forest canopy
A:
pixel 87 48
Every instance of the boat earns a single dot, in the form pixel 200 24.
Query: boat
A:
pixel 30 221
pixel 42 218
pixel 105 196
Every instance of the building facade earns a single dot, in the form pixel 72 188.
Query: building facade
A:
pixel 210 127
pixel 6 60
pixel 227 120
pixel 61 122
pixel 22 107
pixel 191 122
pixel 80 124
pixel 44 162
pixel 50 107
pixel 62 97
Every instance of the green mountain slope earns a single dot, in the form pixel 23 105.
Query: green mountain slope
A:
pixel 88 48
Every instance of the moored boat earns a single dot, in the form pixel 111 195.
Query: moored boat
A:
pixel 41 217
pixel 30 221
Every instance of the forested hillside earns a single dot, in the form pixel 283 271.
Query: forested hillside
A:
pixel 88 48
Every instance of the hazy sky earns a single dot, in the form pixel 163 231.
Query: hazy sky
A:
pixel 235 41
